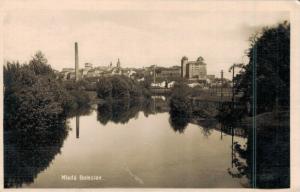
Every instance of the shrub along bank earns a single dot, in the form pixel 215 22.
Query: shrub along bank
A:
pixel 120 87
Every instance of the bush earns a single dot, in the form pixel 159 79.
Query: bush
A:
pixel 104 88
pixel 79 98
pixel 180 104
pixel 119 87
pixel 30 97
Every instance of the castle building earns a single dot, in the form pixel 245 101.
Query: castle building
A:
pixel 193 69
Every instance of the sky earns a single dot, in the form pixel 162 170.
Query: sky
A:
pixel 139 38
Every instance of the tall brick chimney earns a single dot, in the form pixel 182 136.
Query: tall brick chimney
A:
pixel 76 62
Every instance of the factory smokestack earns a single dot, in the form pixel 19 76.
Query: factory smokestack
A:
pixel 76 62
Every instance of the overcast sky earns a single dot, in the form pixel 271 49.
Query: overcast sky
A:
pixel 138 38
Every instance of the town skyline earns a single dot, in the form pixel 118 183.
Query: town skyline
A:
pixel 139 38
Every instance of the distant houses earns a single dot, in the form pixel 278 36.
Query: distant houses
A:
pixel 193 72
pixel 89 71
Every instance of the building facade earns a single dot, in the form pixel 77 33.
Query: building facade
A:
pixel 168 72
pixel 193 69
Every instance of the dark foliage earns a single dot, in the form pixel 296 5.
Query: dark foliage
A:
pixel 36 105
pixel 180 104
pixel 179 123
pixel 120 87
pixel 272 158
pixel 269 67
pixel 28 151
pixel 28 96
pixel 120 111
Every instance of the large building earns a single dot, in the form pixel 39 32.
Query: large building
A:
pixel 168 72
pixel 193 69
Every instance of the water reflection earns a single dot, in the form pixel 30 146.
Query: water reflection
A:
pixel 28 154
pixel 77 127
pixel 30 150
pixel 178 123
pixel 121 111
pixel 118 112
pixel 267 164
pixel 81 111
pixel 33 153
pixel 265 158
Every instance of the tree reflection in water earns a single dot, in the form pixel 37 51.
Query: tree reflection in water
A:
pixel 26 154
pixel 269 165
pixel 81 111
pixel 121 111
pixel 29 150
pixel 179 123
pixel 272 143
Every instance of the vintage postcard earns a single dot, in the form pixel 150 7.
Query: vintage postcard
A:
pixel 182 95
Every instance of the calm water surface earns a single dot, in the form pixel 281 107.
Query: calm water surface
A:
pixel 143 152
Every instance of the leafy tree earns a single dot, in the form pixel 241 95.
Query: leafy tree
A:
pixel 35 110
pixel 104 88
pixel 180 104
pixel 147 81
pixel 269 67
pixel 39 64
pixel 32 92
pixel 120 88
pixel 40 102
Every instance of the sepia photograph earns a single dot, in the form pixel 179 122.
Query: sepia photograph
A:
pixel 147 95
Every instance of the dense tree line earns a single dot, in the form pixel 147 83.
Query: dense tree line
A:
pixel 36 105
pixel 120 87
pixel 180 105
pixel 268 72
pixel 33 93
pixel 266 81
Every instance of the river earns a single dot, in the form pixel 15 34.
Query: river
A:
pixel 131 147
pixel 142 144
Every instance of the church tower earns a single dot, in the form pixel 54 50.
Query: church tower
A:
pixel 118 63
